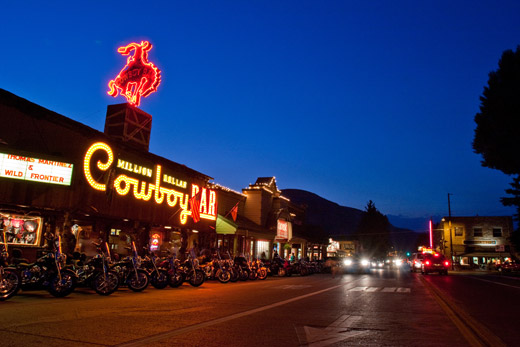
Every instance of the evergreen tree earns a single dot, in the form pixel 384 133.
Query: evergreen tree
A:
pixel 373 232
pixel 498 125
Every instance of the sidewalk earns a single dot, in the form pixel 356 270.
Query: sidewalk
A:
pixel 459 271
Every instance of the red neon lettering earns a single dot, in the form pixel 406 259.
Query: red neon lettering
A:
pixel 203 202
pixel 13 173
pixel 139 77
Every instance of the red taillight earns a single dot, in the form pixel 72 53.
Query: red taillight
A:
pixel 436 255
pixel 427 262
pixel 446 263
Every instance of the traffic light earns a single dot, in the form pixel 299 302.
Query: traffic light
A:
pixel 407 254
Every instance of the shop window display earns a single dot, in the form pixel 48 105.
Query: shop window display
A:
pixel 21 230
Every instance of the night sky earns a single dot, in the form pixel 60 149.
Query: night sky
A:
pixel 351 100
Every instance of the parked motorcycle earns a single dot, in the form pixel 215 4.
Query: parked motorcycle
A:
pixel 217 269
pixel 191 271
pixel 172 266
pixel 259 268
pixel 130 273
pixel 49 272
pixel 158 276
pixel 9 279
pixel 95 272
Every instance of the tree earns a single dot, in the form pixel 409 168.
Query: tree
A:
pixel 498 123
pixel 373 232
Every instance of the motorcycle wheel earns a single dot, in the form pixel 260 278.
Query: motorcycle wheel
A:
pixel 175 279
pixel 106 286
pixel 65 286
pixel 9 285
pixel 138 283
pixel 282 272
pixel 159 279
pixel 262 274
pixel 197 278
pixel 253 275
pixel 243 275
pixel 223 276
pixel 234 275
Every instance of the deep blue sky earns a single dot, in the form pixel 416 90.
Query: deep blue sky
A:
pixel 351 100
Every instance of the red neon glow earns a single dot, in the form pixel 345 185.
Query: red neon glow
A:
pixel 431 234
pixel 139 77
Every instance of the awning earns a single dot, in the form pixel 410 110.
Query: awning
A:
pixel 491 254
pixel 297 240
pixel 225 226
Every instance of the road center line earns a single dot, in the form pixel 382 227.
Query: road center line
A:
pixel 146 340
pixel 475 333
pixel 501 284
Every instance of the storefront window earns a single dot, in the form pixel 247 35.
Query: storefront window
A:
pixel 263 249
pixel 21 230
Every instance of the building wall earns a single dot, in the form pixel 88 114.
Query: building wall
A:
pixel 464 239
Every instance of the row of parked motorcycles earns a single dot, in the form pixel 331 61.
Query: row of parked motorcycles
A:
pixel 60 275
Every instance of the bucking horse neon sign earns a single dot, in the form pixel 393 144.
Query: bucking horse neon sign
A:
pixel 139 77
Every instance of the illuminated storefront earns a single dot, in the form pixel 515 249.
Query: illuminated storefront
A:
pixel 60 176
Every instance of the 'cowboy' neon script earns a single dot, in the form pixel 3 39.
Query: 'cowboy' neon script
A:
pixel 139 77
pixel 143 190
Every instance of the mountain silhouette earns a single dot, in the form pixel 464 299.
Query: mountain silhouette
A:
pixel 331 220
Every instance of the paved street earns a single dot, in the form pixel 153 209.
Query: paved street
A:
pixel 383 308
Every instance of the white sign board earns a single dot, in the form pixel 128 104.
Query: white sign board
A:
pixel 34 169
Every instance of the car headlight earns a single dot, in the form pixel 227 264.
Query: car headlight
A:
pixel 398 262
pixel 365 262
pixel 347 262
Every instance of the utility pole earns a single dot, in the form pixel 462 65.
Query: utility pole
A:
pixel 451 240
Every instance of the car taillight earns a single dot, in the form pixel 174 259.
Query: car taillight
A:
pixel 446 263
pixel 427 262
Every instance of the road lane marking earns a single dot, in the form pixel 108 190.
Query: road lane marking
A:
pixel 294 286
pixel 337 331
pixel 389 289
pixel 501 284
pixel 475 333
pixel 379 289
pixel 357 289
pixel 174 332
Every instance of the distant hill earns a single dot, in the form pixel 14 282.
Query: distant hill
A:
pixel 340 221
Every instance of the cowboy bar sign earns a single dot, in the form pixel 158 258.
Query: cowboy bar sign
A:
pixel 139 77
pixel 146 184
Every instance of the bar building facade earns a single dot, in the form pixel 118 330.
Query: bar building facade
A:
pixel 58 176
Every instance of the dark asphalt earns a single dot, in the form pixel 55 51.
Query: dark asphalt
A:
pixel 383 308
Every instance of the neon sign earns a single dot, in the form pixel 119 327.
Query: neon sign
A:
pixel 147 191
pixel 156 241
pixel 282 229
pixel 34 169
pixel 139 77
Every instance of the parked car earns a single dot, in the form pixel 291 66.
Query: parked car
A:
pixel 416 262
pixel 435 262
pixel 509 266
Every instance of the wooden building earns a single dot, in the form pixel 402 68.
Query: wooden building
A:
pixel 60 176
